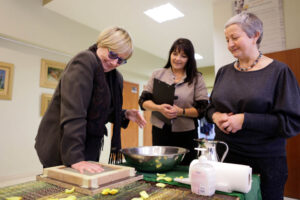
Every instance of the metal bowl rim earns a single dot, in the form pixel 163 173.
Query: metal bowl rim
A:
pixel 171 154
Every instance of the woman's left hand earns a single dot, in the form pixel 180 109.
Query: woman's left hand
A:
pixel 135 116
pixel 235 123
pixel 178 110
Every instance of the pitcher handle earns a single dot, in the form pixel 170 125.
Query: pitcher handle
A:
pixel 226 151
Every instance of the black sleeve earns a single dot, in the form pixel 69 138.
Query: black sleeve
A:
pixel 125 121
pixel 145 96
pixel 201 106
pixel 210 110
pixel 76 91
pixel 285 118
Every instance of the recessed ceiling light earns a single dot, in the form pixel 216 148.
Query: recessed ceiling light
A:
pixel 164 13
pixel 198 56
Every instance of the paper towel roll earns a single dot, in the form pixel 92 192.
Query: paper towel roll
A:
pixel 232 177
pixel 229 177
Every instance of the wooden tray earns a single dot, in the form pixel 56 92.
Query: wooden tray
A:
pixel 111 174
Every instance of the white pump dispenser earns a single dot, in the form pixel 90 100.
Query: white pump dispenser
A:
pixel 201 158
pixel 202 175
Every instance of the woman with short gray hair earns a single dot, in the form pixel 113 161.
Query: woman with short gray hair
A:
pixel 255 106
pixel 250 24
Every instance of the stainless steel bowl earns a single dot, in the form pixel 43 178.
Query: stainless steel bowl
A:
pixel 154 158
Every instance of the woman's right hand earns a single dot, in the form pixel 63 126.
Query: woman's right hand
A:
pixel 86 166
pixel 168 111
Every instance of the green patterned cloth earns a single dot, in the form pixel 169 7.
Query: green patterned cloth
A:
pixel 43 191
pixel 38 190
pixel 178 171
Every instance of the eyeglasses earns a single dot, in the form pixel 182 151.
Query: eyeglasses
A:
pixel 113 55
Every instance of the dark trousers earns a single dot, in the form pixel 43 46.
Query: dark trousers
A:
pixel 273 173
pixel 165 137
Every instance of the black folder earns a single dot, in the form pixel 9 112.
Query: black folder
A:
pixel 163 93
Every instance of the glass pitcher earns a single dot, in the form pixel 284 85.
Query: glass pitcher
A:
pixel 211 151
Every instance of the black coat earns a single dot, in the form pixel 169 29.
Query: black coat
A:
pixel 73 126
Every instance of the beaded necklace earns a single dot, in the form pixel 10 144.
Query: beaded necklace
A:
pixel 244 69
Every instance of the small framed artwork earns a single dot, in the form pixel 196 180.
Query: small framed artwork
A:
pixel 45 101
pixel 6 80
pixel 51 72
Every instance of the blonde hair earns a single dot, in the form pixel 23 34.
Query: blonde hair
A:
pixel 117 40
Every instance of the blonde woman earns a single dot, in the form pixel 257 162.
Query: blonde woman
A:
pixel 89 95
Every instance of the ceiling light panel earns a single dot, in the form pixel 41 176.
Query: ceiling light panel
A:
pixel 198 56
pixel 164 13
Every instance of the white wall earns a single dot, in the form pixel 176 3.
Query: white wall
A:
pixel 39 33
pixel 291 15
pixel 292 28
pixel 221 54
pixel 30 21
pixel 19 117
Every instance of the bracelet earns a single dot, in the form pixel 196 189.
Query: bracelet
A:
pixel 183 111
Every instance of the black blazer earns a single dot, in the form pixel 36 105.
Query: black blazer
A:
pixel 73 126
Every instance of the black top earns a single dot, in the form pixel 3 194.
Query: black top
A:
pixel 270 100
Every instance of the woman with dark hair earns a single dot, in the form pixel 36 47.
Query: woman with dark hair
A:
pixel 190 100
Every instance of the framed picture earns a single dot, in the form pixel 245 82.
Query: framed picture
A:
pixel 45 101
pixel 6 80
pixel 51 72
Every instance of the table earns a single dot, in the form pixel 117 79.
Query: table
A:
pixel 174 190
pixel 178 171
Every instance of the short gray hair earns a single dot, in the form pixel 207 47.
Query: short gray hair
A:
pixel 250 23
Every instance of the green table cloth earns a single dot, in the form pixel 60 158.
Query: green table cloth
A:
pixel 178 171
pixel 174 191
